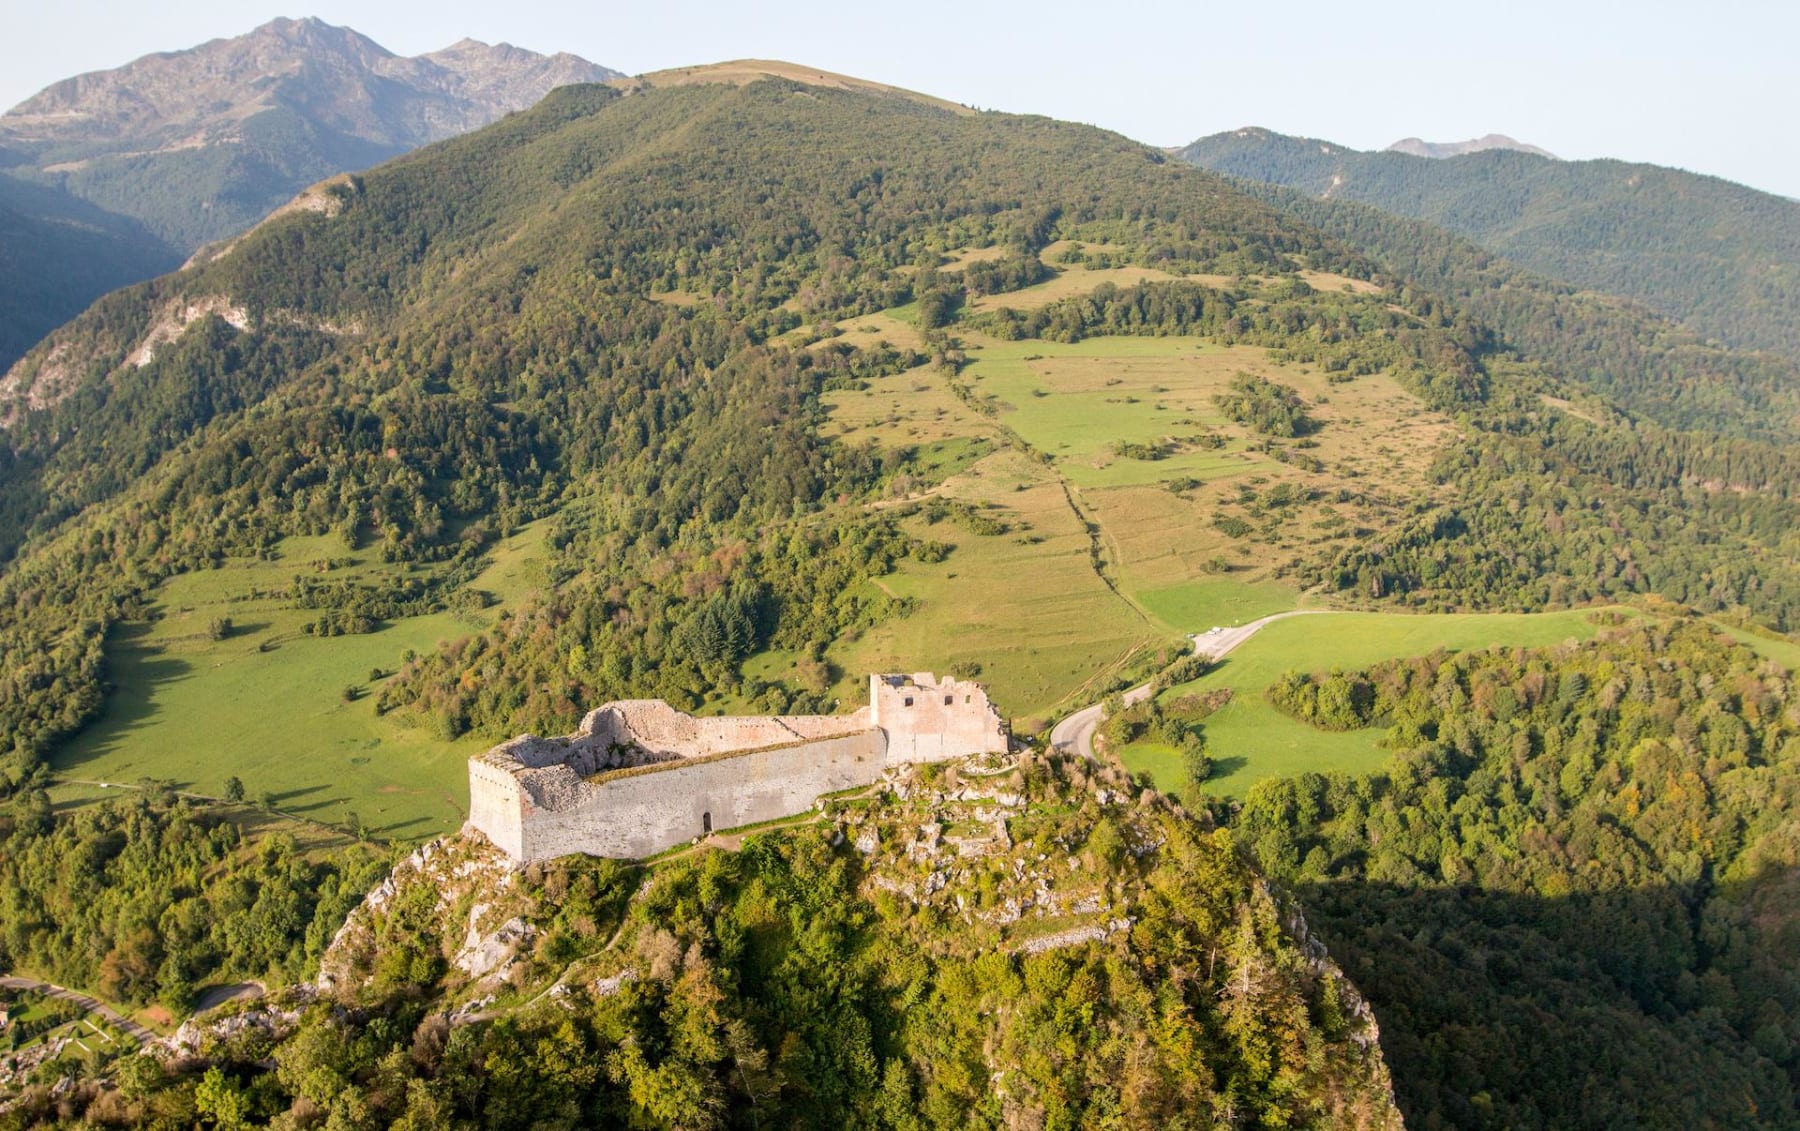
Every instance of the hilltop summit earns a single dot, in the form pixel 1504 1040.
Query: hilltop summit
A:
pixel 1418 147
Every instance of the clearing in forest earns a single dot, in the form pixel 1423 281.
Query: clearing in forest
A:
pixel 1112 452
pixel 1250 740
pixel 290 714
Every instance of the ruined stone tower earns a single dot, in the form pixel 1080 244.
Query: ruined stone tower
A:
pixel 639 776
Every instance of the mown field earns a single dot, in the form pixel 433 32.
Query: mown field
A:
pixel 290 715
pixel 1250 740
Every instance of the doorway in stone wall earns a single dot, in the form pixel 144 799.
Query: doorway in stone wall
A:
pixel 706 822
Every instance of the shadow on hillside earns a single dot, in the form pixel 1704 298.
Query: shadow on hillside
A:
pixel 130 707
pixel 285 798
pixel 1225 767
pixel 1622 1009
pixel 288 801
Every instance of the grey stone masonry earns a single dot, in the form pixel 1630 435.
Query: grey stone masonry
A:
pixel 639 776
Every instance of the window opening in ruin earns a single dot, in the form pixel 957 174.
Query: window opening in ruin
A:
pixel 909 700
pixel 946 700
pixel 706 822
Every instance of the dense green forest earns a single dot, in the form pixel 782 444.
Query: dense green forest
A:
pixel 1571 897
pixel 1723 258
pixel 149 899
pixel 1644 364
pixel 806 982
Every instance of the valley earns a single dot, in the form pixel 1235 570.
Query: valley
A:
pixel 728 386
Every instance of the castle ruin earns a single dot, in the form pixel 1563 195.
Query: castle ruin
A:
pixel 639 776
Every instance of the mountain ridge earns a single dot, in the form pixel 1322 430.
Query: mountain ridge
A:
pixel 199 143
pixel 1721 257
pixel 1419 147
pixel 157 91
pixel 127 171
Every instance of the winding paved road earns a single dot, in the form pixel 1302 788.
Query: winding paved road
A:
pixel 1075 734
pixel 130 1028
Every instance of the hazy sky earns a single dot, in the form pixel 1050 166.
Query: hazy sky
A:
pixel 1708 87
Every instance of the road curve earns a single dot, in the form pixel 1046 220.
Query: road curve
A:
pixel 125 1025
pixel 1075 733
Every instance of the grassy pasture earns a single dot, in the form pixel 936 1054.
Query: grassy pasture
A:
pixel 963 256
pixel 1075 402
pixel 1331 281
pixel 870 330
pixel 1026 604
pixel 1783 652
pixel 1177 571
pixel 908 409
pixel 266 704
pixel 1198 605
pixel 1250 740
pixel 1070 281
pixel 1079 403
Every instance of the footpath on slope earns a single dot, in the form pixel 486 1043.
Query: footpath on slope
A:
pixel 1075 734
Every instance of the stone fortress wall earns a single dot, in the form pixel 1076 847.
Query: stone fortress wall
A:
pixel 639 776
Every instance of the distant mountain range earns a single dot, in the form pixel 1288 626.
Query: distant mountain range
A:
pixel 127 171
pixel 1723 258
pixel 1418 147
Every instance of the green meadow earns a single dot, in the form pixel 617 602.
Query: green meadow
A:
pixel 293 715
pixel 1028 605
pixel 1783 652
pixel 290 715
pixel 1249 740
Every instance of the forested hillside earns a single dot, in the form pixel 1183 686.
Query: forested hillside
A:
pixel 57 255
pixel 1025 944
pixel 1570 898
pixel 468 338
pixel 636 325
pixel 582 310
pixel 1723 258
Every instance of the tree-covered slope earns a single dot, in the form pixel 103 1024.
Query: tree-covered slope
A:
pixel 425 357
pixel 1569 897
pixel 1029 943
pixel 1723 258
pixel 57 255
pixel 587 310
